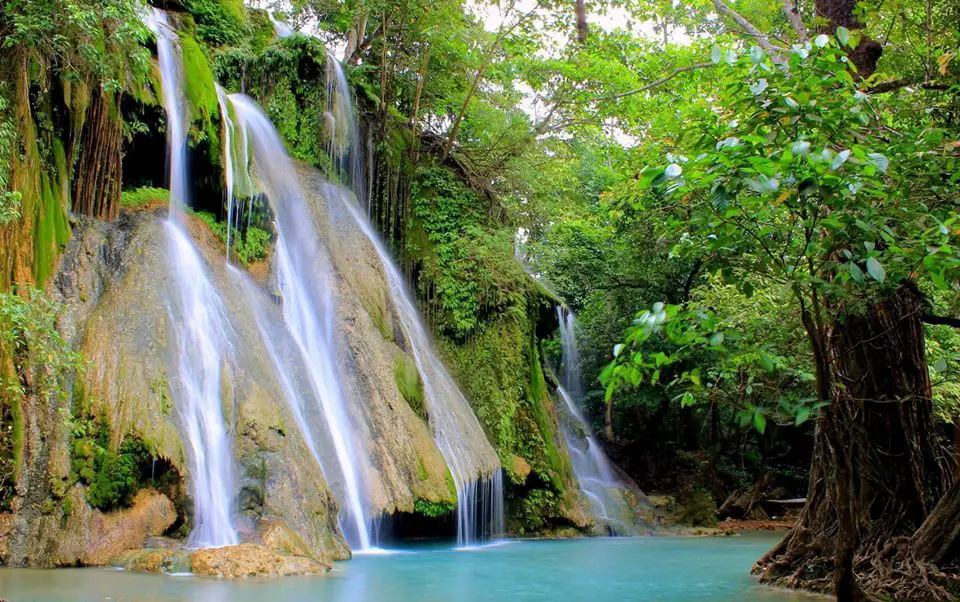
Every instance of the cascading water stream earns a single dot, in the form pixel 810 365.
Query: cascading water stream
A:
pixel 343 143
pixel 478 478
pixel 308 306
pixel 200 326
pixel 593 470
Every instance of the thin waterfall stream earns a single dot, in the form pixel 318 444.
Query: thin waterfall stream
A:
pixel 593 470
pixel 478 478
pixel 200 325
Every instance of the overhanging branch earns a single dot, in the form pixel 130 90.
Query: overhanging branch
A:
pixel 940 320
pixel 651 85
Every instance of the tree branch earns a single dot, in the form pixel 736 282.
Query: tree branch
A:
pixel 940 320
pixel 655 83
pixel 751 30
pixel 794 17
pixel 897 84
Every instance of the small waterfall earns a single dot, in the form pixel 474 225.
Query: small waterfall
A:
pixel 279 27
pixel 478 479
pixel 343 134
pixel 593 470
pixel 199 323
pixel 308 307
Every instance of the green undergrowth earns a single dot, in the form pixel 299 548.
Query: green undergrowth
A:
pixel 37 364
pixel 433 509
pixel 146 195
pixel 112 473
pixel 469 269
pixel 249 245
pixel 219 22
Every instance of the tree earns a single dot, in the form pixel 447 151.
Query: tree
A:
pixel 799 180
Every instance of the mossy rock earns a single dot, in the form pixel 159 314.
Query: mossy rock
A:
pixel 408 383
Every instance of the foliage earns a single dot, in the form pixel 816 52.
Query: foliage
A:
pixel 41 365
pixel 797 183
pixel 112 475
pixel 100 38
pixel 9 200
pixel 249 245
pixel 145 195
pixel 288 79
pixel 219 22
pixel 469 267
pixel 433 509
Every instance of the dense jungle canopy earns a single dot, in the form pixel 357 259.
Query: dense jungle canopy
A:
pixel 752 207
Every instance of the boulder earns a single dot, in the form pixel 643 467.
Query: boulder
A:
pixel 252 560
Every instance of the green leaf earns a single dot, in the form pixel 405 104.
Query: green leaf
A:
pixel 759 422
pixel 617 349
pixel 716 55
pixel 940 366
pixel 876 270
pixel 843 35
pixel 766 362
pixel 717 339
pixel 802 416
pixel 855 272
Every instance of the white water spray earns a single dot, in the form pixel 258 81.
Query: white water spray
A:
pixel 199 323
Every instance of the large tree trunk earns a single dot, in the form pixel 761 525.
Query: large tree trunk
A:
pixel 99 171
pixel 878 467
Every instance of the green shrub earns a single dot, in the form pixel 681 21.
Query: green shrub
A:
pixel 219 22
pixel 249 245
pixel 139 197
pixel 433 509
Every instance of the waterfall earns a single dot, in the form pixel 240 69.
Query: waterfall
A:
pixel 199 323
pixel 478 479
pixel 308 306
pixel 343 135
pixel 593 470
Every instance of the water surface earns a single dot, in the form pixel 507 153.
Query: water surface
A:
pixel 595 570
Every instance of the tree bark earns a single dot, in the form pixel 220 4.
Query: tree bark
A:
pixel 878 467
pixel 938 538
pixel 100 171
pixel 583 30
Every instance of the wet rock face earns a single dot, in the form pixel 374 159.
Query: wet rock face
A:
pixel 113 282
pixel 92 538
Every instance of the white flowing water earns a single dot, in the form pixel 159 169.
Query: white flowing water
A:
pixel 308 308
pixel 282 29
pixel 200 327
pixel 593 470
pixel 343 135
pixel 456 430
